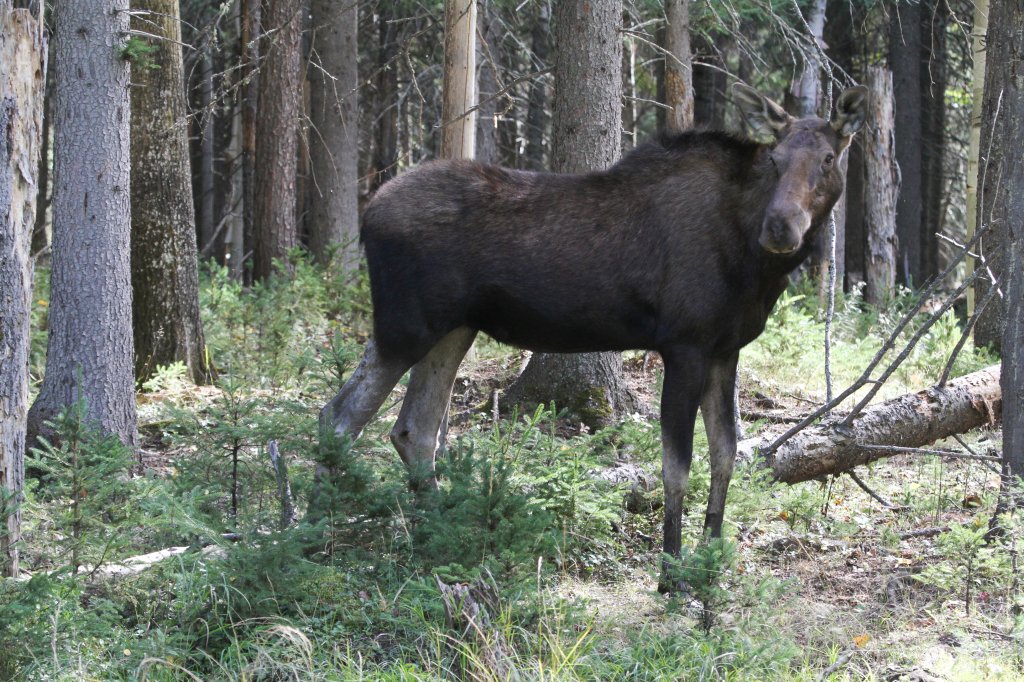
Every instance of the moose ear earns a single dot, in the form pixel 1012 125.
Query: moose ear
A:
pixel 764 116
pixel 851 109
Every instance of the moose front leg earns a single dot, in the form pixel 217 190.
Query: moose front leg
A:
pixel 417 431
pixel 718 408
pixel 680 395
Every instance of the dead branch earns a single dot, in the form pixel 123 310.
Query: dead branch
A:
pixel 284 486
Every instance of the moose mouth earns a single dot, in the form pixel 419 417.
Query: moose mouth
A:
pixel 781 250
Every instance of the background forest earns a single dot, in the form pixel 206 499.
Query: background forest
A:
pixel 183 291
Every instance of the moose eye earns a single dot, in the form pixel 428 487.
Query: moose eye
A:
pixel 829 159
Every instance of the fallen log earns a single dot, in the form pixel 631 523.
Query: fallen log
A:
pixel 908 421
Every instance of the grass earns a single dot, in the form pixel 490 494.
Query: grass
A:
pixel 817 572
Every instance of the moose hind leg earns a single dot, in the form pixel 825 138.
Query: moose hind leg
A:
pixel 363 394
pixel 718 408
pixel 417 432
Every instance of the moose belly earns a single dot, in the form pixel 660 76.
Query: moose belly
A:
pixel 563 324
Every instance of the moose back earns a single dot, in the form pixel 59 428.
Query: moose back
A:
pixel 682 247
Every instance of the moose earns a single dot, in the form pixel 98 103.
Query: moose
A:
pixel 682 247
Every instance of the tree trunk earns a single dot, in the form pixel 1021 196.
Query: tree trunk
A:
pixel 165 277
pixel 537 108
pixel 807 92
pixel 234 211
pixel 458 118
pixel 385 147
pixel 807 88
pixel 905 62
pixel 1002 203
pixel 22 86
pixel 249 90
pixel 207 123
pixel 998 161
pixel 880 190
pixel 1013 338
pixel 277 137
pixel 909 421
pixel 933 131
pixel 678 66
pixel 90 351
pixel 44 178
pixel 841 43
pixel 978 31
pixel 334 139
pixel 855 236
pixel 489 54
pixel 586 137
pixel 709 84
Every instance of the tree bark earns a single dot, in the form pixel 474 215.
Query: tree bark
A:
pixel 905 61
pixel 40 239
pixel 458 133
pixel 277 137
pixel 385 144
pixel 249 50
pixel 537 108
pixel 207 127
pixel 880 190
pixel 22 86
pixel 997 162
pixel 678 67
pixel 934 59
pixel 1004 207
pixel 978 31
pixel 90 351
pixel 586 137
pixel 165 277
pixel 910 421
pixel 334 138
pixel 709 83
pixel 807 88
pixel 489 53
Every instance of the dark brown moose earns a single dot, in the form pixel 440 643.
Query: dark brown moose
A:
pixel 682 247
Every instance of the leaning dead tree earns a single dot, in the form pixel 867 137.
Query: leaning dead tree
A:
pixel 901 425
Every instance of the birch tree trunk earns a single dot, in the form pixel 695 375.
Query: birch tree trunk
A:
pixel 586 137
pixel 334 138
pixel 165 277
pixel 678 66
pixel 22 86
pixel 90 351
pixel 277 134
pixel 880 191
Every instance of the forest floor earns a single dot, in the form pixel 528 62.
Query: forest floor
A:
pixel 854 594
pixel 557 529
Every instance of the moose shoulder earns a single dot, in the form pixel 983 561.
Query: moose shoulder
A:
pixel 682 247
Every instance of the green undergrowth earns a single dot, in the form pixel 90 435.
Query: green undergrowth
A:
pixel 564 570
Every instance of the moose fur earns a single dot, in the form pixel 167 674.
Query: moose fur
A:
pixel 683 247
